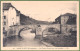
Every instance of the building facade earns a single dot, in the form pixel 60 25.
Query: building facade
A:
pixel 11 17
pixel 67 22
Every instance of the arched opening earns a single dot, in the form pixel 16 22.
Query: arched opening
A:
pixel 20 31
pixel 50 31
pixel 27 33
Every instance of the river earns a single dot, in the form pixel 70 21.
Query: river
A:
pixel 27 39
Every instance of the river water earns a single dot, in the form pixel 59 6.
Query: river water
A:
pixel 27 39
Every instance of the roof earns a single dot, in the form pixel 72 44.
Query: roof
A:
pixel 69 14
pixel 6 6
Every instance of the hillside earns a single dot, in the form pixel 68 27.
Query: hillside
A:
pixel 26 20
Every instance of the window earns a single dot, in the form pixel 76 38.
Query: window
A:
pixel 4 31
pixel 3 28
pixel 4 23
pixel 4 17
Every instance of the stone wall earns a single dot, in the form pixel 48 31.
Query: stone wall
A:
pixel 39 30
pixel 65 29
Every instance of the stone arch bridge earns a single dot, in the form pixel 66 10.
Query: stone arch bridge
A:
pixel 16 30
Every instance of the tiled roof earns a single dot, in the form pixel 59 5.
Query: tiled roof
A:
pixel 6 6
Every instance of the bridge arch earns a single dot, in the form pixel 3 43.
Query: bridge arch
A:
pixel 20 31
pixel 25 28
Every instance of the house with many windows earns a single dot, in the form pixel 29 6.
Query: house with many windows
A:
pixel 11 17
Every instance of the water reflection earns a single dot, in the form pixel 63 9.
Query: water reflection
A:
pixel 11 39
pixel 27 39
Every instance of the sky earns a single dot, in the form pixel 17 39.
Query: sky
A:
pixel 45 10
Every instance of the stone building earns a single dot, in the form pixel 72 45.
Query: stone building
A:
pixel 67 22
pixel 11 16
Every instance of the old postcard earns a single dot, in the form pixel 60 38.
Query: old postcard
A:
pixel 39 25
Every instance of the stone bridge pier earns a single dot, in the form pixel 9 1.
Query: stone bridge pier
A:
pixel 42 29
